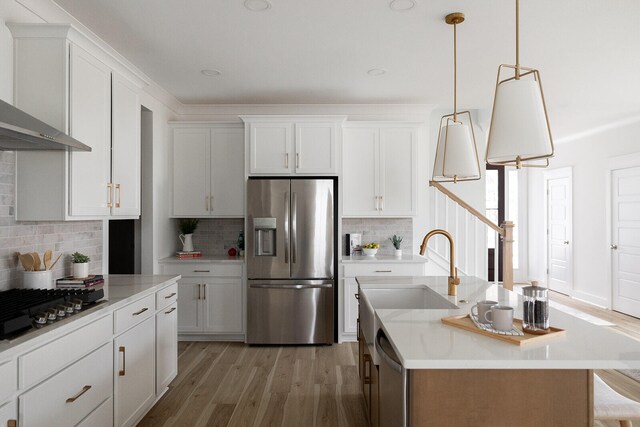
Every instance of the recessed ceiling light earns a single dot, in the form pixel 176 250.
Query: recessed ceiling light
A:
pixel 257 5
pixel 402 5
pixel 211 73
pixel 376 71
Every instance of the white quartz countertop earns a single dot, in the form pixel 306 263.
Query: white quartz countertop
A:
pixel 406 259
pixel 119 290
pixel 204 258
pixel 422 341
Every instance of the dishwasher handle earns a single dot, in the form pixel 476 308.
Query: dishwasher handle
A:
pixel 386 352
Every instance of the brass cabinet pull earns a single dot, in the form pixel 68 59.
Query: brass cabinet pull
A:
pixel 211 204
pixel 383 271
pixel 358 329
pixel 117 195
pixel 297 160
pixel 170 311
pixel 123 371
pixel 109 195
pixel 206 203
pixel 367 369
pixel 377 205
pixel 381 203
pixel 171 295
pixel 137 313
pixel 12 423
pixel 199 291
pixel 83 391
pixel 204 291
pixel 286 160
pixel 201 271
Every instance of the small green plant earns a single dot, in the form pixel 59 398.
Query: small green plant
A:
pixel 78 258
pixel 188 225
pixel 396 240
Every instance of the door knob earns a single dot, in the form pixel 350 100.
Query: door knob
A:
pixel 566 242
pixel 614 247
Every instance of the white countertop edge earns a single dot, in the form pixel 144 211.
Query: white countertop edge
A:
pixel 405 259
pixel 502 364
pixel 221 259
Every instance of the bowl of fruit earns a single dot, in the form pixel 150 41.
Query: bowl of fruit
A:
pixel 370 249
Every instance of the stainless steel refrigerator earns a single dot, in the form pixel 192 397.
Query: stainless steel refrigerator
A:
pixel 290 261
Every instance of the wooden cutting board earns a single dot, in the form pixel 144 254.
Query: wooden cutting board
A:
pixel 465 322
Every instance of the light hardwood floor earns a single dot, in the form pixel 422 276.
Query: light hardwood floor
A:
pixel 231 384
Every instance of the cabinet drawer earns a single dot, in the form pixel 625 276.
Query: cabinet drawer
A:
pixel 135 313
pixel 383 269
pixel 9 375
pixel 166 296
pixel 101 417
pixel 72 394
pixel 204 270
pixel 44 361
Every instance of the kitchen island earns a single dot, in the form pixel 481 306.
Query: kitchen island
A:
pixel 456 377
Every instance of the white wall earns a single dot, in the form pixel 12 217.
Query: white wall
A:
pixel 587 157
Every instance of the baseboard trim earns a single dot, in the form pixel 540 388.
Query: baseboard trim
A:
pixel 212 337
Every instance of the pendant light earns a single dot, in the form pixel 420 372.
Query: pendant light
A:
pixel 456 154
pixel 519 134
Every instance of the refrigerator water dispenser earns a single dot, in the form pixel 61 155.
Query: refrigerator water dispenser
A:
pixel 264 230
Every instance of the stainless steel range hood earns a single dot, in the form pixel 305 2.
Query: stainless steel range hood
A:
pixel 20 131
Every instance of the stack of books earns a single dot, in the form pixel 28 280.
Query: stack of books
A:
pixel 71 282
pixel 192 254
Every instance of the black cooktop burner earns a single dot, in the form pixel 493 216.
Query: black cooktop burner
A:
pixel 24 309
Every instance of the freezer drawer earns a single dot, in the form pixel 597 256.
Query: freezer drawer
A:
pixel 290 312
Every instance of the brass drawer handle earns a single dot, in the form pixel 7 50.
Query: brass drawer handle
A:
pixel 117 195
pixel 109 195
pixel 201 271
pixel 137 313
pixel 170 311
pixel 358 329
pixel 367 369
pixel 123 371
pixel 83 391
pixel 171 295
pixel 12 423
pixel 384 271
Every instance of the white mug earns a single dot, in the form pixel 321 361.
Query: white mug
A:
pixel 481 309
pixel 500 317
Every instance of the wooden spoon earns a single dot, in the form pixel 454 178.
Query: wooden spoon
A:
pixel 55 262
pixel 36 260
pixel 47 259
pixel 27 262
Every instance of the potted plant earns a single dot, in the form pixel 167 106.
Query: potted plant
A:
pixel 80 265
pixel 187 226
pixel 396 240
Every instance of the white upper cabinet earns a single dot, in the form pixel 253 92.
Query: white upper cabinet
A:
pixel 287 145
pixel 208 170
pixel 380 170
pixel 125 125
pixel 78 92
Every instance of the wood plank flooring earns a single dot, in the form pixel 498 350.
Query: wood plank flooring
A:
pixel 232 384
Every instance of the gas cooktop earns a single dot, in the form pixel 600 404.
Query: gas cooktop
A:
pixel 25 310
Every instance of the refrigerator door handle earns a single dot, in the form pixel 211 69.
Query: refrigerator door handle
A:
pixel 324 285
pixel 294 225
pixel 287 203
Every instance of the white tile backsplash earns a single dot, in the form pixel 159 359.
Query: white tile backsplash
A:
pixel 216 235
pixel 380 230
pixel 36 236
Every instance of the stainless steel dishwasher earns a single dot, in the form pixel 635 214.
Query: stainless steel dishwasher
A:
pixel 393 385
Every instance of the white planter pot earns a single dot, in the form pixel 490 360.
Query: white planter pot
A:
pixel 398 253
pixel 80 270
pixel 187 242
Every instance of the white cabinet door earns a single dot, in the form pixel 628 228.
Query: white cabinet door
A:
pixel 398 171
pixel 227 172
pixel 190 294
pixel 315 148
pixel 223 306
pixel 360 172
pixel 125 125
pixel 270 148
pixel 8 413
pixel 166 346
pixel 191 171
pixel 135 372
pixel 350 306
pixel 90 123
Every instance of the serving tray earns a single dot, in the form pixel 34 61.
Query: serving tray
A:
pixel 465 322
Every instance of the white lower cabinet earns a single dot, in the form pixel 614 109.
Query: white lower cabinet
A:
pixel 166 346
pixel 69 396
pixel 135 372
pixel 351 305
pixel 223 297
pixel 101 417
pixel 9 414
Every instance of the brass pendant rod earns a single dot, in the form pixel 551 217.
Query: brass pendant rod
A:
pixel 455 74
pixel 517 39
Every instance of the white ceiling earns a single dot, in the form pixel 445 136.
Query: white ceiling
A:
pixel 319 51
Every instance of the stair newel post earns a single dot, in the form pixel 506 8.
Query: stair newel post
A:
pixel 507 255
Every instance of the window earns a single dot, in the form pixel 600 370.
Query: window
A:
pixel 513 213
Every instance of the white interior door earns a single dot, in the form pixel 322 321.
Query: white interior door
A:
pixel 559 231
pixel 625 245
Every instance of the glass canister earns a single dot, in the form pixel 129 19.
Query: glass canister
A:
pixel 536 309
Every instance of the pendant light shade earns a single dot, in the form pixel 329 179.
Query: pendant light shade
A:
pixel 456 154
pixel 519 134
